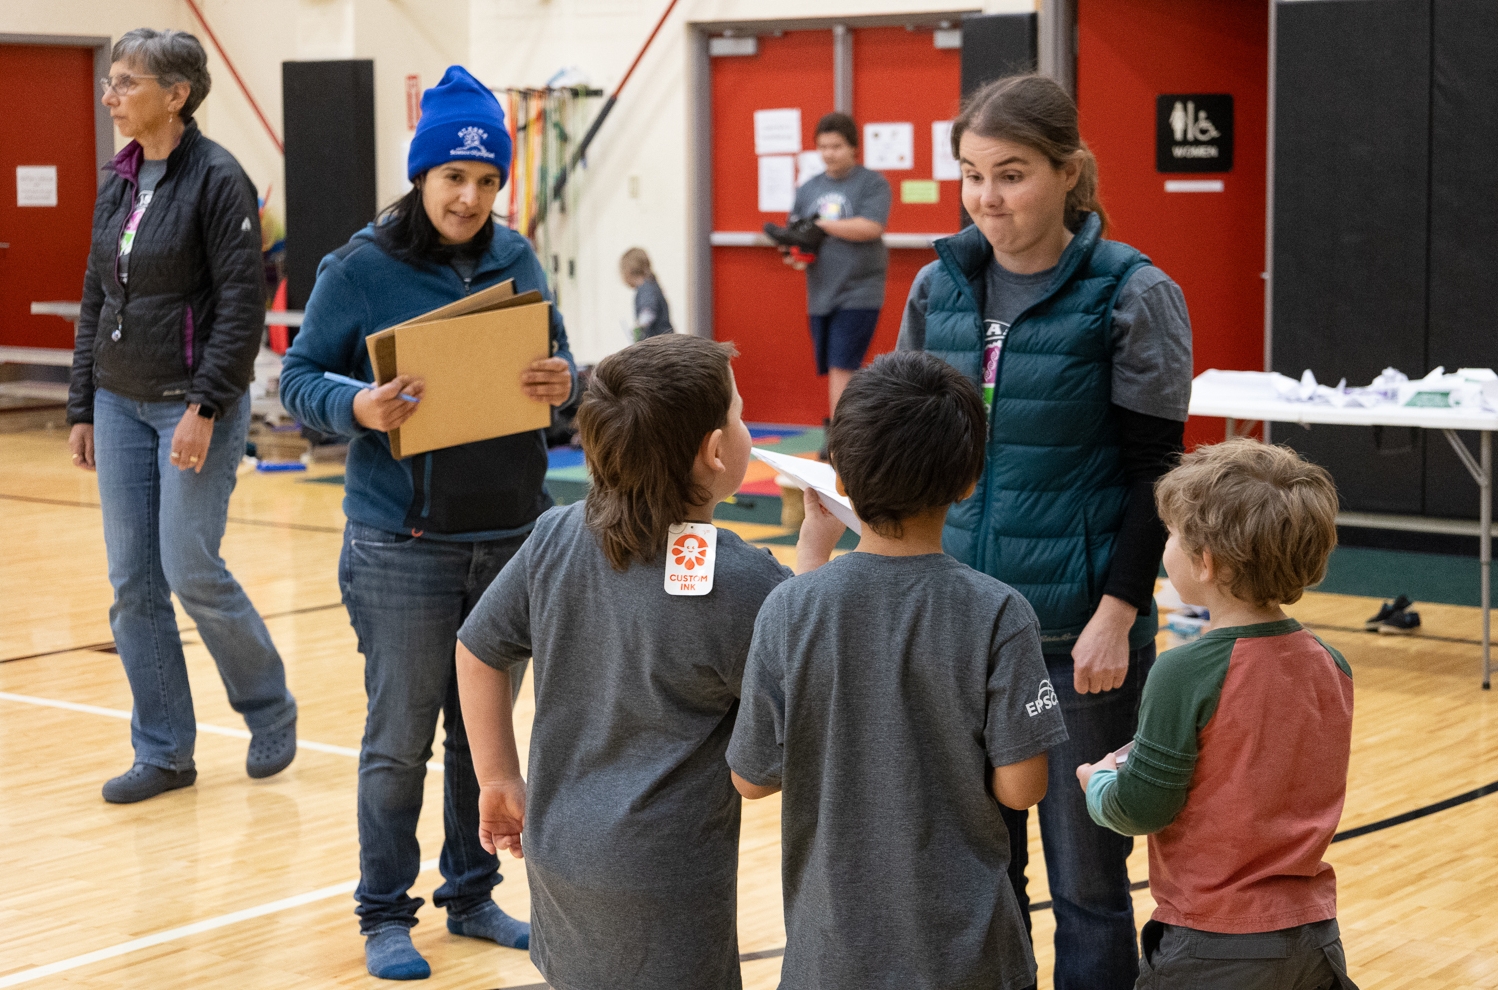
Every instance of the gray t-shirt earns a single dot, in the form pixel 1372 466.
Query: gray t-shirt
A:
pixel 152 171
pixel 632 822
pixel 846 274
pixel 880 692
pixel 652 315
pixel 1151 332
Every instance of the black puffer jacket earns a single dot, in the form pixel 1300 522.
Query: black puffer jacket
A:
pixel 188 324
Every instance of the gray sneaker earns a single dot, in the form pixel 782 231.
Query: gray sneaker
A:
pixel 145 781
pixel 271 752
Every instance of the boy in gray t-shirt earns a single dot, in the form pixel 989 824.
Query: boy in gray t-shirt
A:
pixel 898 697
pixel 630 820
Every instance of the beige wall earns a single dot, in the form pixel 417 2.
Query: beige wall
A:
pixel 504 42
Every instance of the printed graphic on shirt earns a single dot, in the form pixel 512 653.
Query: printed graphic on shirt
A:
pixel 1044 701
pixel 994 334
pixel 127 240
pixel 833 206
pixel 691 554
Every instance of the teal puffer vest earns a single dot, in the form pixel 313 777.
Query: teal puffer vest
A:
pixel 1052 497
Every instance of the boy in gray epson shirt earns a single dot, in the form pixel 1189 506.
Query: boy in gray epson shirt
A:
pixel 898 696
pixel 639 613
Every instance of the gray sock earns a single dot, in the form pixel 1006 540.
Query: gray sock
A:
pixel 490 922
pixel 389 955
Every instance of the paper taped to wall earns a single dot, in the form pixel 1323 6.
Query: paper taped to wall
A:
pixel 777 183
pixel 777 132
pixel 817 476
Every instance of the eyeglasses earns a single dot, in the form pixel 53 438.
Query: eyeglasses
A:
pixel 122 83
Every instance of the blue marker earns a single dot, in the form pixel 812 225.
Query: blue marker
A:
pixel 345 380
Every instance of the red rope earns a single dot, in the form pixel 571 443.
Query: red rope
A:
pixel 235 73
pixel 658 25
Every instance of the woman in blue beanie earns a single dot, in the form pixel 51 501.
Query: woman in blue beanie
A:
pixel 425 535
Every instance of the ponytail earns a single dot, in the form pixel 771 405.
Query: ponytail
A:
pixel 1036 112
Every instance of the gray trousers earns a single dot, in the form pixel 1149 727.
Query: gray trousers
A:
pixel 1309 957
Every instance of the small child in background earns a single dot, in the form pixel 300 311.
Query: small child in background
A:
pixel 639 613
pixel 898 696
pixel 1239 768
pixel 652 315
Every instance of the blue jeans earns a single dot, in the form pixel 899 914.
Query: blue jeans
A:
pixel 406 597
pixel 1085 863
pixel 162 529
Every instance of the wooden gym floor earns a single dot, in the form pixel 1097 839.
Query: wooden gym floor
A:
pixel 247 884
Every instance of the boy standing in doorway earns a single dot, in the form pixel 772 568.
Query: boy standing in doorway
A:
pixel 845 284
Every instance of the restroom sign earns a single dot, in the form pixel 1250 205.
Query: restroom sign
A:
pixel 1194 132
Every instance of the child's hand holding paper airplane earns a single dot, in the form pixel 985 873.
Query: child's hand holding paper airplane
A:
pixel 817 476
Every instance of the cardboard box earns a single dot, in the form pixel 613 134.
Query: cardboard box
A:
pixel 470 354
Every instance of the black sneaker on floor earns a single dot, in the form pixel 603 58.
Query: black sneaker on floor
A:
pixel 145 781
pixel 1386 610
pixel 1401 623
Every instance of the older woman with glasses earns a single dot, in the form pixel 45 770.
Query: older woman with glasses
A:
pixel 173 311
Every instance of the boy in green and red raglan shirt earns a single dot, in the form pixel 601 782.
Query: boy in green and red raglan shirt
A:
pixel 1239 768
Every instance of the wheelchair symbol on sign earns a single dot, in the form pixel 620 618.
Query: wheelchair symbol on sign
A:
pixel 1189 125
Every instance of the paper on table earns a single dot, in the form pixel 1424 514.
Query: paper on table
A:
pixel 943 165
pixel 817 476
pixel 777 132
pixel 777 183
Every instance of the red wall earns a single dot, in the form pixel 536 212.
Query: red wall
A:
pixel 49 123
pixel 760 304
pixel 1212 244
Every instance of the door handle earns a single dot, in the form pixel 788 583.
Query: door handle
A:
pixel 4 244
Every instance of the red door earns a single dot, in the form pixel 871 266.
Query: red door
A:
pixel 42 138
pixel 759 304
pixel 1211 243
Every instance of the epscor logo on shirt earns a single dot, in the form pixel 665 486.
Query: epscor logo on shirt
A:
pixel 1045 700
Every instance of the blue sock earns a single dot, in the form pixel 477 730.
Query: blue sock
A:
pixel 389 955
pixel 490 922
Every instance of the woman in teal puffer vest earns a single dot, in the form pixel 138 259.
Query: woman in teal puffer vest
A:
pixel 1082 350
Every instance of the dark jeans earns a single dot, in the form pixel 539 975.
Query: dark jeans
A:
pixel 406 597
pixel 1085 863
pixel 162 529
pixel 1308 957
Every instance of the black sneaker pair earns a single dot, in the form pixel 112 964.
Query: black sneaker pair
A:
pixel 802 238
pixel 1394 618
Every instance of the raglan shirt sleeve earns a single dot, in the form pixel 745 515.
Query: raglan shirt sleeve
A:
pixel 1180 697
pixel 756 751
pixel 1024 717
pixel 498 630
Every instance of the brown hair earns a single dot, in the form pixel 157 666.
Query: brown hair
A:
pixel 635 262
pixel 1038 113
pixel 838 123
pixel 642 420
pixel 908 435
pixel 1268 517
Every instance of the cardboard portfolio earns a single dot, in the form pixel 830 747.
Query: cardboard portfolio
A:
pixel 470 354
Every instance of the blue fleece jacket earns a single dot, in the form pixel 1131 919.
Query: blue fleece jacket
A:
pixel 479 491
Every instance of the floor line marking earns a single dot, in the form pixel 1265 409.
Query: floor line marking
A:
pixel 203 727
pixel 185 931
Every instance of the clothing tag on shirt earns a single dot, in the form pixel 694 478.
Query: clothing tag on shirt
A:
pixel 994 333
pixel 691 555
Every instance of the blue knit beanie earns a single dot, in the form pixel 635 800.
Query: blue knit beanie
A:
pixel 460 121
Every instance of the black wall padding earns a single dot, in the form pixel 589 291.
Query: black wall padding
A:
pixel 1351 156
pixel 996 45
pixel 328 110
pixel 1463 223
